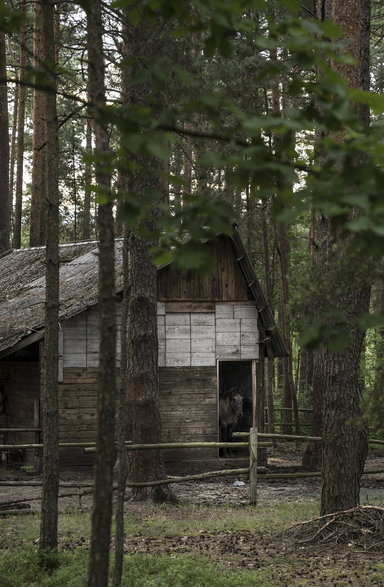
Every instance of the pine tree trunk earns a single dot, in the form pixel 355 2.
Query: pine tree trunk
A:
pixel 289 392
pixel 344 436
pixel 86 221
pixel 15 115
pixel 312 454
pixel 50 407
pixel 374 401
pixel 38 183
pixel 105 435
pixel 4 151
pixel 20 145
pixel 143 376
pixel 122 423
pixel 143 382
pixel 122 408
pixel 268 288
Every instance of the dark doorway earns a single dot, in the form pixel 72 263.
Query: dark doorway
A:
pixel 238 374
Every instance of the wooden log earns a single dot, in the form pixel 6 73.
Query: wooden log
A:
pixel 253 466
pixel 277 436
pixel 5 506
pixel 20 429
pixel 220 473
pixel 288 475
pixel 61 445
pixel 175 445
pixel 14 512
pixel 34 483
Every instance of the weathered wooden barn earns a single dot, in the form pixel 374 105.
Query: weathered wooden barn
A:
pixel 213 330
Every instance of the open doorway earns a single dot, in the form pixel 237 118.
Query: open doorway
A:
pixel 238 375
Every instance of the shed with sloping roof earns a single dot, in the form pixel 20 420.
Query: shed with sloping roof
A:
pixel 213 332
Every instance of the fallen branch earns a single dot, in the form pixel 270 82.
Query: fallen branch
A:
pixel 361 526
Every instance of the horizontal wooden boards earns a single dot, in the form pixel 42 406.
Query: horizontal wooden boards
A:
pixel 188 403
pixel 21 382
pixel 77 404
pixel 188 307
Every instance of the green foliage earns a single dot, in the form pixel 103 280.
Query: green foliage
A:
pixel 10 19
pixel 23 568
pixel 332 331
pixel 187 571
pixel 236 136
pixel 210 87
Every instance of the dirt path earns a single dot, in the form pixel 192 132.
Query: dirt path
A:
pixel 220 491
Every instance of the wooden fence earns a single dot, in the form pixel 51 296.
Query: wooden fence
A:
pixel 255 473
pixel 305 418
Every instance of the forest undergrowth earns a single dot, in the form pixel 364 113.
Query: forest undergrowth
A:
pixel 213 537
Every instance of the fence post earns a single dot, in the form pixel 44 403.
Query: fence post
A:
pixel 37 435
pixel 253 466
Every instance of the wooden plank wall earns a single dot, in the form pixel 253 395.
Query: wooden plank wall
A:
pixel 188 397
pixel 21 382
pixel 237 335
pixel 188 403
pixel 226 283
pixel 81 339
pixel 77 405
pixel 196 338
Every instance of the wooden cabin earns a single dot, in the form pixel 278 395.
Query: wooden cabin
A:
pixel 213 331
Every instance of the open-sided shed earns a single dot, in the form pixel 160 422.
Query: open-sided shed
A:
pixel 213 331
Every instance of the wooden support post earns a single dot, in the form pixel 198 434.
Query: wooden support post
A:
pixel 254 393
pixel 37 434
pixel 253 466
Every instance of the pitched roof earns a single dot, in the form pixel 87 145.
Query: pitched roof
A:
pixel 22 287
pixel 22 290
pixel 273 338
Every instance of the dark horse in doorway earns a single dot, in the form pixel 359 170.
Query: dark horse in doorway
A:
pixel 230 412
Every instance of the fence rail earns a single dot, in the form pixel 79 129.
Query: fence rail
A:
pixel 255 473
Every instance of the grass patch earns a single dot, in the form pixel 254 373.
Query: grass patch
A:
pixel 162 521
pixel 187 571
pixel 21 569
pixel 19 555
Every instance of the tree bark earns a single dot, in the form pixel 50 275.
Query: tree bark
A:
pixel 289 390
pixel 374 401
pixel 268 288
pixel 15 115
pixel 349 281
pixel 122 422
pixel 143 381
pixel 122 411
pixel 50 406
pixel 143 378
pixel 312 454
pixel 38 183
pixel 20 144
pixel 105 435
pixel 4 151
pixel 86 220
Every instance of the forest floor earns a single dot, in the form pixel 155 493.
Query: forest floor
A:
pixel 338 550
